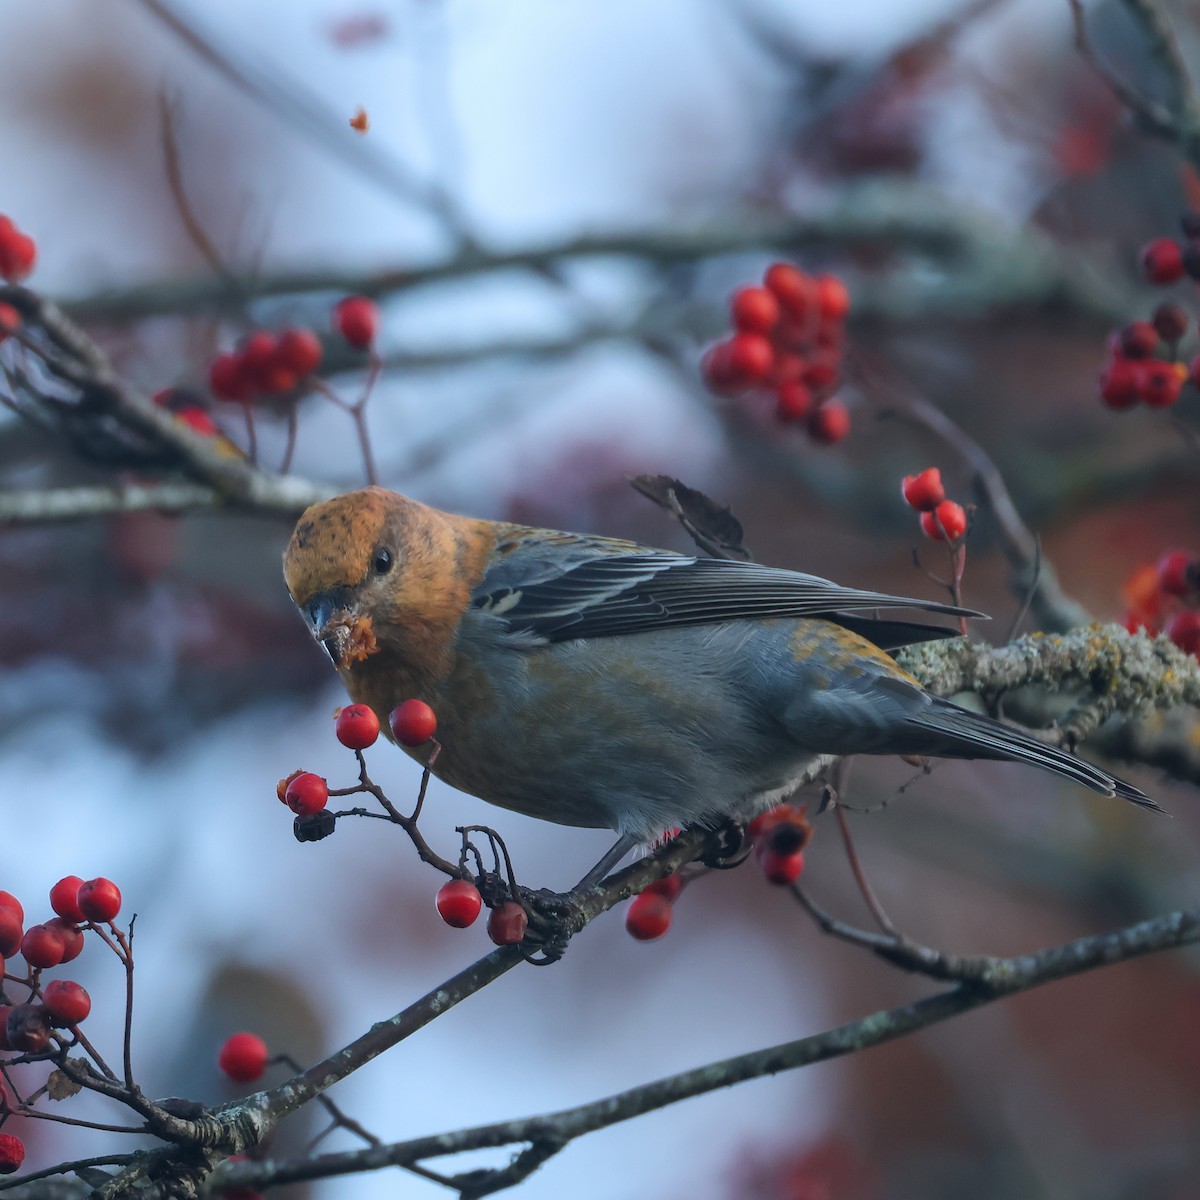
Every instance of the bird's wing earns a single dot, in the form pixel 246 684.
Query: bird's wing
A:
pixel 558 586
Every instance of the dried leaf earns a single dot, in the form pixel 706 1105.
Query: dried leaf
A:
pixel 710 525
pixel 60 1086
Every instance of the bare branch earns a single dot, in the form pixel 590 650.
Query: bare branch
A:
pixel 992 978
pixel 986 264
pixel 1177 121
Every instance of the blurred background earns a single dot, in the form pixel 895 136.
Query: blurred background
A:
pixel 984 198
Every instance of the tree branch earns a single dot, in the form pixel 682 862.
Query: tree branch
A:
pixel 988 265
pixel 991 979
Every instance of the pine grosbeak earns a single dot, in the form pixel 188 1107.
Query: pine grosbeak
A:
pixel 597 682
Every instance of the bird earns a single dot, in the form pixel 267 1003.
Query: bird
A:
pixel 596 682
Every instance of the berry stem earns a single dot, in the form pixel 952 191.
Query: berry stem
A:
pixel 433 757
pixel 293 428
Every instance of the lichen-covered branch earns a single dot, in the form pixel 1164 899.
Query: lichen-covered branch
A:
pixel 109 420
pixel 1124 672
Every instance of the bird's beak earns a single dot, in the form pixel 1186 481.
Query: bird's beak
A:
pixel 330 615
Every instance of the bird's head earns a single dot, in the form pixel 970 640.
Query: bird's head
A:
pixel 342 565
pixel 374 570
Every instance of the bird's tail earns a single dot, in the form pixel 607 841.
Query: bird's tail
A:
pixel 958 733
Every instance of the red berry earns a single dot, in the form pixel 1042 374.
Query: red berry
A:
pixel 947 522
pixel 9 319
pixel 198 420
pixel 243 1057
pixel 507 923
pixel 787 368
pixel 11 931
pixel 1161 383
pixel 306 794
pixel 793 401
pixel 822 368
pixel 788 837
pixel 833 298
pixel 1162 260
pixel 791 815
pixel 1121 383
pixel 276 379
pixel 1139 339
pixel 27 1029
pixel 668 887
pixel 282 786
pixel 751 357
pixel 413 723
pixel 829 423
pixel 717 368
pixel 299 350
pixel 791 287
pixel 42 946
pixel 357 726
pixel 22 256
pixel 18 253
pixel 71 935
pixel 648 916
pixel 1170 322
pixel 12 1153
pixel 357 319
pixel 1184 630
pixel 793 335
pixel 754 310
pixel 66 1002
pixel 781 869
pixel 9 901
pixel 924 492
pixel 64 898
pixel 99 899
pixel 1178 572
pixel 228 380
pixel 459 903
pixel 257 351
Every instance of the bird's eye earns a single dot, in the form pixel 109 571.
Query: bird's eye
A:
pixel 382 563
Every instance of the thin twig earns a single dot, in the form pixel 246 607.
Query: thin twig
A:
pixel 167 110
pixel 860 876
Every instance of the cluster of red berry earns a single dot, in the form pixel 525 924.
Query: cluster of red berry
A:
pixel 459 904
pixel 265 364
pixel 779 836
pixel 269 364
pixel 1144 365
pixel 27 1028
pixel 1164 597
pixel 649 913
pixel 18 252
pixel 413 723
pixel 941 519
pixel 788 341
